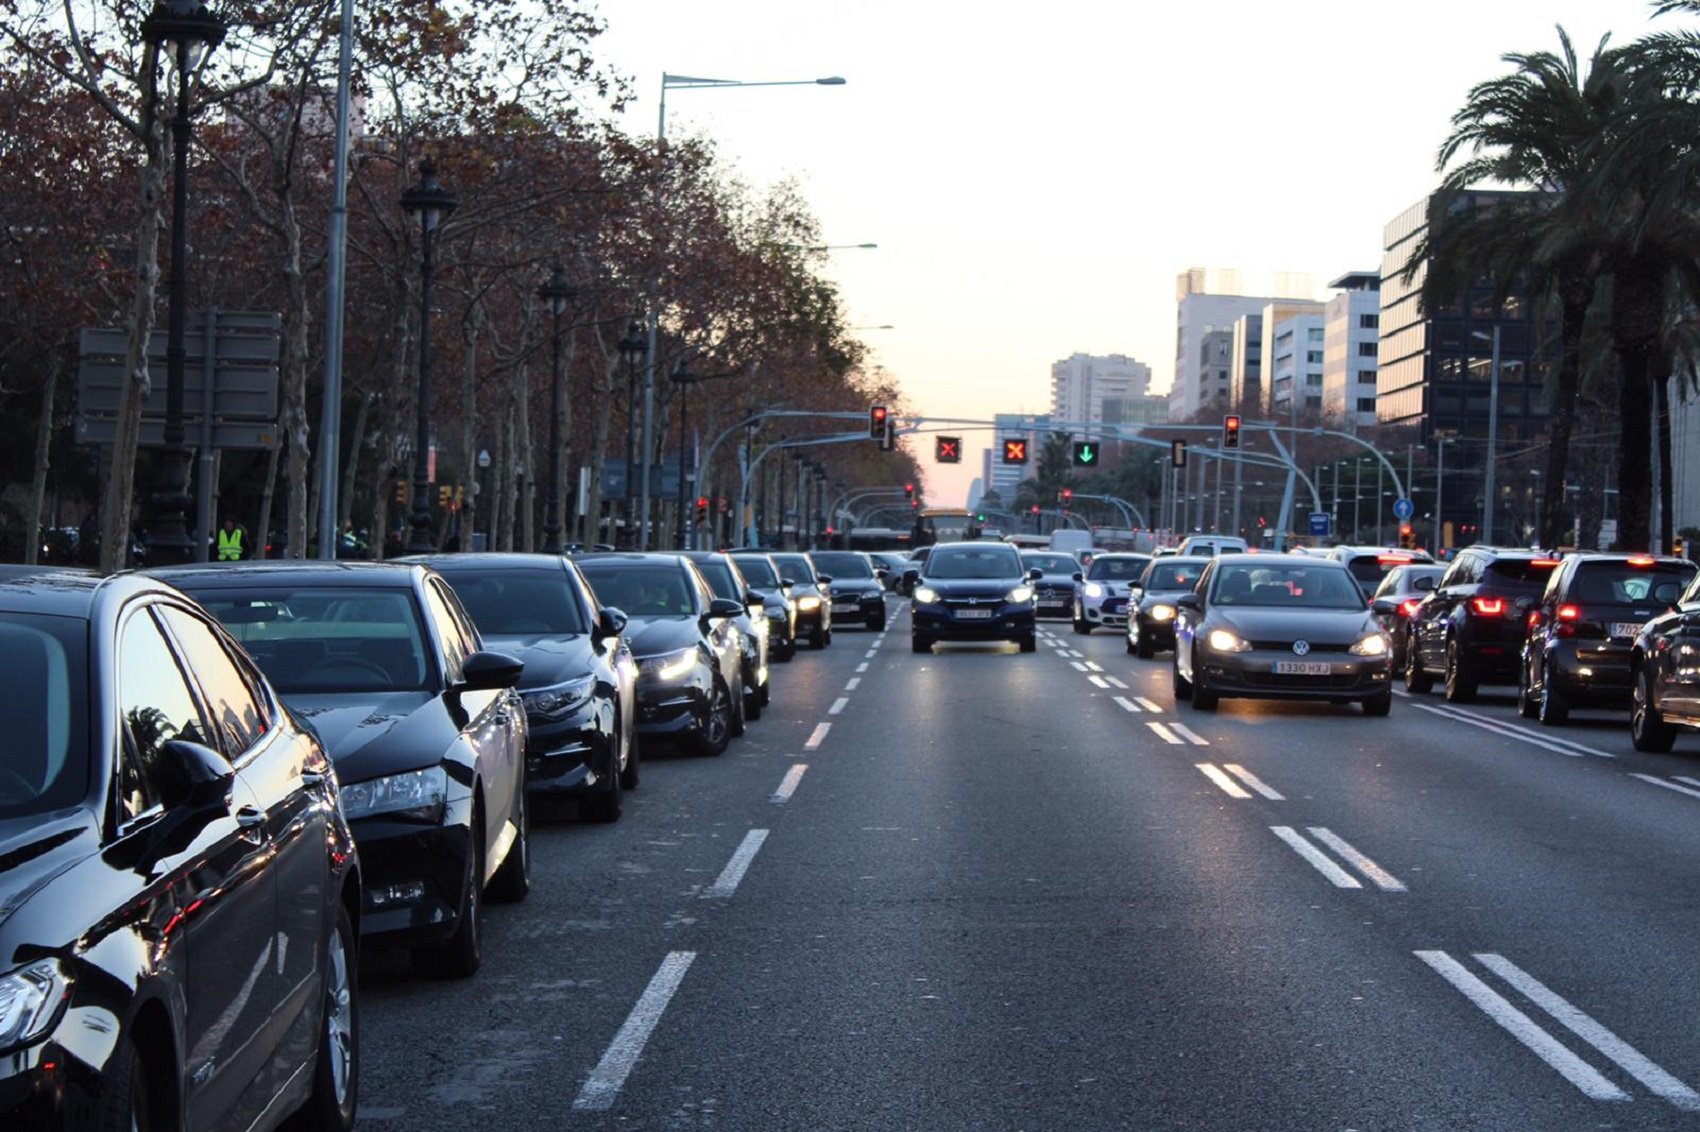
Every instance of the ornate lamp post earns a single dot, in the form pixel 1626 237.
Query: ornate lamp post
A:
pixel 684 379
pixel 559 293
pixel 432 203
pixel 187 32
pixel 632 347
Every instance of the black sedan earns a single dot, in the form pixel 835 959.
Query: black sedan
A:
pixel 973 591
pixel 1054 587
pixel 1151 612
pixel 1264 626
pixel 856 587
pixel 727 581
pixel 809 591
pixel 580 680
pixel 179 891
pixel 424 726
pixel 764 581
pixel 689 653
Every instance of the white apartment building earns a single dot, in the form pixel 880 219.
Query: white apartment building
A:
pixel 1204 345
pixel 1352 331
pixel 1082 383
pixel 1293 347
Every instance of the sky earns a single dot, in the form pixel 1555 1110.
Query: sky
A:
pixel 1037 176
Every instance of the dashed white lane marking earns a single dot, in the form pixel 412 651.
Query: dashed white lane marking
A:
pixel 1189 735
pixel 854 683
pixel 1631 1060
pixel 1379 876
pixel 817 737
pixel 1099 682
pixel 1520 1026
pixel 1254 782
pixel 863 667
pixel 1229 787
pixel 1077 666
pixel 1075 653
pixel 1128 705
pixel 1317 860
pixel 871 653
pixel 1670 784
pixel 1147 704
pixel 1114 683
pixel 788 785
pixel 838 705
pixel 610 1074
pixel 1094 666
pixel 1164 733
pixel 1511 731
pixel 727 883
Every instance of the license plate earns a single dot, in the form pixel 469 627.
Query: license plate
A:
pixel 974 614
pixel 843 606
pixel 1626 629
pixel 1303 668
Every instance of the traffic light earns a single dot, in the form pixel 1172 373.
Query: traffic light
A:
pixel 1015 451
pixel 947 449
pixel 1407 540
pixel 877 417
pixel 445 496
pixel 401 492
pixel 1231 431
pixel 908 491
pixel 1177 453
pixel 1065 496
pixel 702 508
pixel 1086 453
pixel 1034 509
pixel 888 435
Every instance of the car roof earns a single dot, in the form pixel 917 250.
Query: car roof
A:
pixel 301 571
pixel 60 590
pixel 487 560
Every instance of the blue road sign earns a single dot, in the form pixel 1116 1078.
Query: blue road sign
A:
pixel 1403 509
pixel 1319 524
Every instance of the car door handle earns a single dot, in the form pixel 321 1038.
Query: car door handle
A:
pixel 312 778
pixel 251 822
pixel 502 719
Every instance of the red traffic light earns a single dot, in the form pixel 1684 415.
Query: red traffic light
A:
pixel 876 422
pixel 1231 431
pixel 1034 508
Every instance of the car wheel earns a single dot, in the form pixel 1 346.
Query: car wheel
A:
pixel 1647 727
pixel 629 772
pixel 1132 649
pixel 1183 686
pixel 1143 648
pixel 739 699
pixel 127 1103
pixel 877 624
pixel 829 636
pixel 336 1066
pixel 714 733
pixel 1526 706
pixel 786 650
pixel 817 637
pixel 1379 704
pixel 1553 707
pixel 512 881
pixel 767 692
pixel 1203 699
pixel 1030 643
pixel 1418 681
pixel 752 702
pixel 605 806
pixel 1460 686
pixel 463 954
pixel 1081 625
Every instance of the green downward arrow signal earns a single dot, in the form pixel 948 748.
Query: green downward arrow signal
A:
pixel 1085 454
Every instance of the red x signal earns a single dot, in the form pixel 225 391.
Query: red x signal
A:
pixel 948 449
pixel 1015 451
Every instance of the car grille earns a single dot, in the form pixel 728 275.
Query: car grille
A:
pixel 1335 682
pixel 1054 593
pixel 1115 605
pixel 1287 646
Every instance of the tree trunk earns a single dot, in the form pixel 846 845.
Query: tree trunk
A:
pixel 591 530
pixel 1661 409
pixel 351 470
pixel 1576 294
pixel 43 461
pixel 292 375
pixel 471 326
pixel 260 537
pixel 1636 320
pixel 524 463
pixel 501 483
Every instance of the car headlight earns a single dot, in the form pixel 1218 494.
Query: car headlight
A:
pixel 30 998
pixel 1019 595
pixel 1373 645
pixel 669 665
pixel 809 603
pixel 1162 613
pixel 417 794
pixel 926 595
pixel 1224 640
pixel 1093 589
pixel 557 700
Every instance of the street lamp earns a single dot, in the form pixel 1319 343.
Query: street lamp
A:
pixel 187 32
pixel 679 82
pixel 632 348
pixel 1493 432
pixel 1440 443
pixel 558 293
pixel 432 203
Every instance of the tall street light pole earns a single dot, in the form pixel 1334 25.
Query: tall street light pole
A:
pixel 432 203
pixel 1488 487
pixel 336 258
pixel 1440 443
pixel 677 82
pixel 557 292
pixel 187 32
pixel 632 347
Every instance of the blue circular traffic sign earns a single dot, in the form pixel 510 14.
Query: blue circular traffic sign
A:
pixel 1403 509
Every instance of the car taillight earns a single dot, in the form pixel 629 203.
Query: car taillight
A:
pixel 1568 613
pixel 1488 606
pixel 1408 607
pixel 1564 620
pixel 1642 560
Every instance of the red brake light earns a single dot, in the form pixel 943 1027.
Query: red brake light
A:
pixel 1408 607
pixel 1488 606
pixel 1543 563
pixel 1393 559
pixel 1568 613
pixel 1642 560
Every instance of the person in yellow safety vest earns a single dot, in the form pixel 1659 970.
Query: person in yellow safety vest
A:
pixel 232 541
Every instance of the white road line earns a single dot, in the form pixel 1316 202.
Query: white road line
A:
pixel 1254 782
pixel 1667 785
pixel 1114 683
pixel 1229 787
pixel 1094 666
pixel 1520 1026
pixel 838 705
pixel 1076 653
pixel 727 883
pixel 1164 733
pixel 1689 781
pixel 855 682
pixel 1148 705
pixel 1382 879
pixel 1128 705
pixel 817 737
pixel 863 667
pixel 605 1081
pixel 1077 666
pixel 1099 682
pixel 871 653
pixel 788 786
pixel 1317 860
pixel 1190 735
pixel 1630 1059
pixel 1510 731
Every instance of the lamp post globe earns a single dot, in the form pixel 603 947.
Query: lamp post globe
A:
pixel 557 292
pixel 432 204
pixel 186 31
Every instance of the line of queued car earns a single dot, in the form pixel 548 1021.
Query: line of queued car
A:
pixel 224 781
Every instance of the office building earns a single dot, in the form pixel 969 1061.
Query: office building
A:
pixel 1082 383
pixel 1351 346
pixel 1204 345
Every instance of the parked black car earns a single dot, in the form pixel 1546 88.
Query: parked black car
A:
pixel 1151 608
pixel 973 591
pixel 857 586
pixel 1582 634
pixel 809 592
pixel 179 891
pixel 1470 629
pixel 775 597
pixel 425 729
pixel 580 679
pixel 688 648
pixel 727 581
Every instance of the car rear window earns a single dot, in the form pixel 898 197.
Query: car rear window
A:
pixel 1106 568
pixel 1519 575
pixel 796 567
pixel 517 603
pixel 837 566
pixel 1173 576
pixel 757 571
pixel 1371 568
pixel 1620 583
pixel 328 638
pixel 1051 563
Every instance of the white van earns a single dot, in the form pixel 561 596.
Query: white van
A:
pixel 1073 542
pixel 1209 546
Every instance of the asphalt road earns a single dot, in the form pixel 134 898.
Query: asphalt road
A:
pixel 981 889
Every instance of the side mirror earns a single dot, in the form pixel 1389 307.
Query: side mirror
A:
pixel 1079 577
pixel 722 607
pixel 486 671
pixel 787 582
pixel 1136 591
pixel 823 579
pixel 1188 601
pixel 610 622
pixel 1035 574
pixel 193 775
pixel 1385 606
pixel 752 598
pixel 910 575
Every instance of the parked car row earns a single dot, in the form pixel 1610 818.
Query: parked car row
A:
pixel 224 780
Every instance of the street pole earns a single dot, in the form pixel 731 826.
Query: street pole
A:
pixel 336 258
pixel 1358 501
pixel 557 292
pixel 1439 493
pixel 1489 499
pixel 433 203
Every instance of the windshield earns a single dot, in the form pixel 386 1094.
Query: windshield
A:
pixel 329 638
pixel 518 603
pixel 1404 579
pixel 1173 575
pixel 1287 587
pixel 973 564
pixel 1051 563
pixel 840 567
pixel 720 581
pixel 1112 569
pixel 758 572
pixel 796 567
pixel 44 763
pixel 1620 583
pixel 641 589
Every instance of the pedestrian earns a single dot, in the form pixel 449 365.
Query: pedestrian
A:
pixel 232 541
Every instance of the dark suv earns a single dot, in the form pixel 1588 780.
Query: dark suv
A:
pixel 1581 635
pixel 1470 629
pixel 973 591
